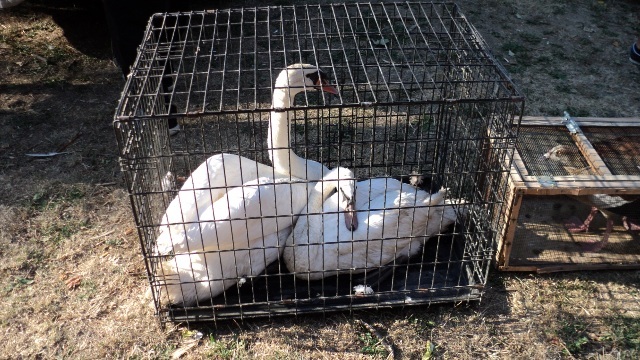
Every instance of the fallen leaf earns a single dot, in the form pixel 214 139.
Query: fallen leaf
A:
pixel 179 352
pixel 73 282
pixel 25 281
pixel 428 352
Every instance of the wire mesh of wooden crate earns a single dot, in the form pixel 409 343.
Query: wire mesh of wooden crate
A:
pixel 418 92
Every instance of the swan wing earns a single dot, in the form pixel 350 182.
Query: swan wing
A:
pixel 258 208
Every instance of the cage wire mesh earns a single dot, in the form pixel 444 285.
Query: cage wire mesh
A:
pixel 418 92
pixel 618 147
pixel 537 141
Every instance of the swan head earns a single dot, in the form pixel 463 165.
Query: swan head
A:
pixel 303 77
pixel 345 184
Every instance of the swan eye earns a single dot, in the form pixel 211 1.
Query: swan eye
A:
pixel 314 77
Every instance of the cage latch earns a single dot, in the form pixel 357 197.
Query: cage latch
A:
pixel 547 181
pixel 571 124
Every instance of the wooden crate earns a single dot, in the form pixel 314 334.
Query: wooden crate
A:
pixel 543 193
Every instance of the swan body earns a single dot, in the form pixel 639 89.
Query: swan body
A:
pixel 206 185
pixel 189 278
pixel 394 219
pixel 197 200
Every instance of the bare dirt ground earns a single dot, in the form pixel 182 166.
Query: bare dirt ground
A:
pixel 72 279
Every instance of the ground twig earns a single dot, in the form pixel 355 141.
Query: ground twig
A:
pixel 68 143
pixel 383 339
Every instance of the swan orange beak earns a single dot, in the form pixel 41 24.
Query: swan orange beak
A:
pixel 330 89
pixel 326 87
pixel 351 217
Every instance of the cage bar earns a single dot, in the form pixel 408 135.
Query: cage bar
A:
pixel 418 93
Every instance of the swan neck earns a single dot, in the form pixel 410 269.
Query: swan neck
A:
pixel 283 98
pixel 284 160
pixel 316 197
pixel 320 192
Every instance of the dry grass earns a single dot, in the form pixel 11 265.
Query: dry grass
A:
pixel 72 279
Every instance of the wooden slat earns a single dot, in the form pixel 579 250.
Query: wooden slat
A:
pixel 579 191
pixel 582 121
pixel 513 211
pixel 546 269
pixel 598 180
pixel 590 154
pixel 518 268
pixel 518 166
pixel 581 267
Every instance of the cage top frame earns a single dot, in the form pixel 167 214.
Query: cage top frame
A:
pixel 602 182
pixel 379 53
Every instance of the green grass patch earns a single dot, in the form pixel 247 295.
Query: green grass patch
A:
pixel 88 289
pixel 558 9
pixel 514 46
pixel 574 335
pixel 371 345
pixel 578 112
pixel 59 232
pixel 53 195
pixel 18 282
pixel 625 333
pixel 564 88
pixel 225 349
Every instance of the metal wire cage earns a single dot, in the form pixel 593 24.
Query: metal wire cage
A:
pixel 418 93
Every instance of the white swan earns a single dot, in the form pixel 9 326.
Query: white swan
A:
pixel 394 219
pixel 189 278
pixel 213 178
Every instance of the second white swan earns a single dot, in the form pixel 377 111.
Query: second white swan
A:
pixel 394 219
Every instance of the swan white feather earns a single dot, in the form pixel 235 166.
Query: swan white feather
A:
pixel 189 278
pixel 258 208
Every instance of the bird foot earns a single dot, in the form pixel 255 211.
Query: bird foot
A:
pixel 575 225
pixel 631 224
pixel 596 246
pixel 593 246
